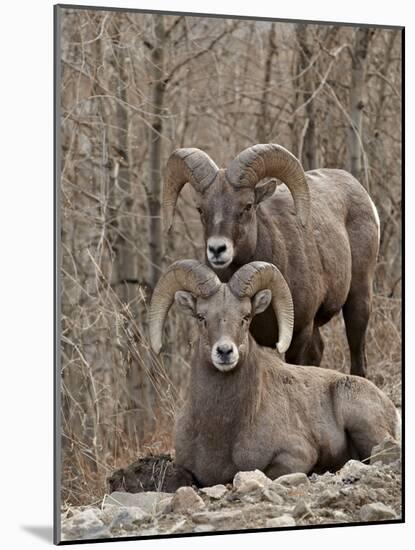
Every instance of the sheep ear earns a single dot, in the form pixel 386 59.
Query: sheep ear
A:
pixel 186 301
pixel 265 190
pixel 261 301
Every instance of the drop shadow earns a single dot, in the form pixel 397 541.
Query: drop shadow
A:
pixel 43 532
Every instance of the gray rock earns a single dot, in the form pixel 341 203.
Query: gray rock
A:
pixel 271 495
pixel 177 527
pixel 375 481
pixel 353 470
pixel 376 511
pixel 84 524
pixel 319 486
pixel 186 500
pixel 293 480
pixel 151 531
pixel 125 518
pixel 302 510
pixel 340 516
pixel 216 492
pixel 282 521
pixel 281 490
pixel 386 452
pixel 217 517
pixel 204 528
pixel 255 475
pixel 327 498
pixel 327 477
pixel 165 506
pixel 151 502
pixel 249 486
pixel 381 495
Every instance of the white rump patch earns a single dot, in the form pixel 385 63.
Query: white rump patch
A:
pixel 398 427
pixel 377 220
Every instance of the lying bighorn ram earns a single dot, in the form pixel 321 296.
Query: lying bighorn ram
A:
pixel 245 407
pixel 321 231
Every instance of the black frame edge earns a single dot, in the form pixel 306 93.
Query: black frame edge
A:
pixel 229 16
pixel 235 532
pixel 56 278
pixel 403 361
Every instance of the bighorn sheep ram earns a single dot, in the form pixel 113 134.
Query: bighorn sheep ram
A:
pixel 245 407
pixel 321 231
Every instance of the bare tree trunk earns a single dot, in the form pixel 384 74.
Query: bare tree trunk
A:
pixel 308 146
pixel 359 54
pixel 154 191
pixel 137 397
pixel 120 157
pixel 263 119
pixel 383 82
pixel 389 210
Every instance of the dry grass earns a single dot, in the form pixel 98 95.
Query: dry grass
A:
pixel 383 346
pixel 123 408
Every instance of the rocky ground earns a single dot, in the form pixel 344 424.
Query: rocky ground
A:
pixel 357 493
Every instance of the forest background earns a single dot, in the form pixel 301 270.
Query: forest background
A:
pixel 133 87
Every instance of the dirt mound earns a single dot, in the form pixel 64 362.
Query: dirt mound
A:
pixel 149 474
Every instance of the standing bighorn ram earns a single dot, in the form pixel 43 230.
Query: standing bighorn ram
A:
pixel 321 231
pixel 245 407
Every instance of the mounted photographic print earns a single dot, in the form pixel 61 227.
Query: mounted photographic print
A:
pixel 228 274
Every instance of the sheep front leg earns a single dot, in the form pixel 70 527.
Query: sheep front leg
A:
pixel 356 312
pixel 306 347
pixel 316 348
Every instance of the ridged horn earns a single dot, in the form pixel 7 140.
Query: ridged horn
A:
pixel 185 165
pixel 188 275
pixel 256 276
pixel 271 160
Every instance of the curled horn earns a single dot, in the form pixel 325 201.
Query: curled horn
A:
pixel 185 165
pixel 271 160
pixel 256 276
pixel 188 275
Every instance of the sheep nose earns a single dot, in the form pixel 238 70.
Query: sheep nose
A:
pixel 219 251
pixel 216 250
pixel 224 350
pixel 225 355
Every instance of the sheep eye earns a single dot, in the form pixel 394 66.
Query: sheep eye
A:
pixel 246 209
pixel 202 216
pixel 245 319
